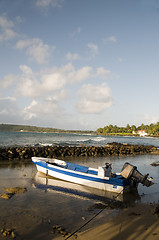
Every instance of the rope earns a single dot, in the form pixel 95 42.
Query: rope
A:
pixel 77 230
pixel 4 156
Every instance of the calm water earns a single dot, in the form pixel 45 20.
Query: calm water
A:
pixel 25 139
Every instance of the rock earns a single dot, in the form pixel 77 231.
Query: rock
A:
pixel 114 149
pixel 4 233
pixel 15 190
pixel 12 191
pixel 13 234
pixel 155 164
pixel 60 230
pixel 6 195
pixel 157 210
pixel 8 232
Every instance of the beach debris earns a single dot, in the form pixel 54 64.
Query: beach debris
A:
pixel 12 191
pixel 155 164
pixel 110 205
pixel 60 230
pixel 6 195
pixel 8 232
pixel 157 210
pixel 97 206
pixel 134 214
pixel 154 234
pixel 16 190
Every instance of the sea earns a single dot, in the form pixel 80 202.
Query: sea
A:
pixel 68 139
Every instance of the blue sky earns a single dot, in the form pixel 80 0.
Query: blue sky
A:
pixel 79 64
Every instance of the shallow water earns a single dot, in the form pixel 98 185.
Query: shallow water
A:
pixel 42 207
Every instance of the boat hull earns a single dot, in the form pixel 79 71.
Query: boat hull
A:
pixel 107 184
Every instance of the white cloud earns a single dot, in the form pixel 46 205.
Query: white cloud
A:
pixel 6 29
pixel 21 44
pixel 11 99
pixel 39 52
pixel 5 23
pixel 93 49
pixel 29 111
pixel 76 32
pixel 49 82
pixel 26 70
pixel 27 84
pixel 72 57
pixel 120 59
pixel 50 89
pixel 47 3
pixel 58 96
pixel 53 81
pixel 44 109
pixel 9 110
pixel 80 75
pixel 94 99
pixel 7 81
pixel 151 119
pixel 110 39
pixel 35 49
pixel 103 73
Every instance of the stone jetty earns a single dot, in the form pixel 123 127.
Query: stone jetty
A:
pixel 111 149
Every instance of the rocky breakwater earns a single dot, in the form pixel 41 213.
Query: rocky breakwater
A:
pixel 111 149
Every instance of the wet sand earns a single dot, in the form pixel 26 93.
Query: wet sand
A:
pixel 139 222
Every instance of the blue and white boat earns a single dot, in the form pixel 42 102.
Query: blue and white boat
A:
pixel 101 178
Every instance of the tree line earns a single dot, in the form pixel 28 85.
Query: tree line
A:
pixel 152 129
pixel 27 128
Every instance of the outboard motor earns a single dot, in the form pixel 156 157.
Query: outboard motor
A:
pixel 130 172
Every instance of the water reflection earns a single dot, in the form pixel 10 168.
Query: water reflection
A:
pixel 48 183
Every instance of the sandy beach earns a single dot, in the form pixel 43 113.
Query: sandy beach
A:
pixel 137 222
pixel 140 222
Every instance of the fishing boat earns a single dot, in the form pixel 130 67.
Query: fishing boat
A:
pixel 101 178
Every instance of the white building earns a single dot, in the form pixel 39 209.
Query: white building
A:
pixel 142 133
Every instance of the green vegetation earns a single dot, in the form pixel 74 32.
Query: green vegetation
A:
pixel 151 130
pixel 25 128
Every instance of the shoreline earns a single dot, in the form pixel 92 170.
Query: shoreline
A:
pixel 111 149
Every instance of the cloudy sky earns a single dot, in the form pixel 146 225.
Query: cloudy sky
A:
pixel 79 64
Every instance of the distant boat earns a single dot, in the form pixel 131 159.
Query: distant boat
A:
pixel 101 178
